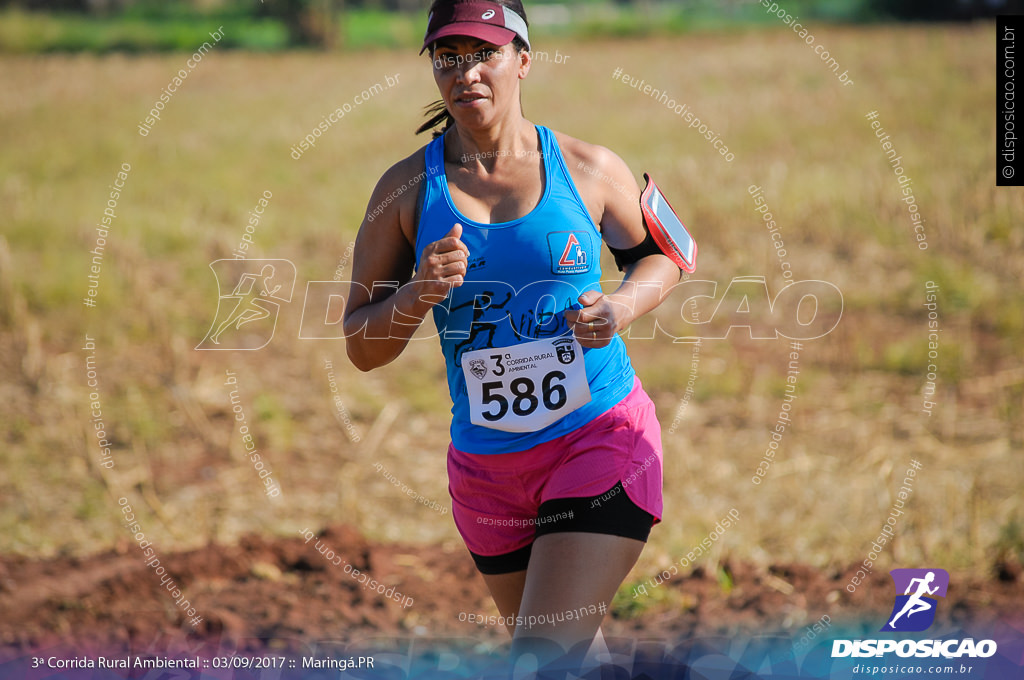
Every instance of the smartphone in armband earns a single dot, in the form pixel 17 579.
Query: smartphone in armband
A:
pixel 668 230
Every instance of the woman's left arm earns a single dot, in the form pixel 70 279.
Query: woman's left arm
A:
pixel 646 282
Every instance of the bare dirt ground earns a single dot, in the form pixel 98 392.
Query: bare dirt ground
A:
pixel 282 589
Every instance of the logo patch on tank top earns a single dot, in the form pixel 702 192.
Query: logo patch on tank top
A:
pixel 572 252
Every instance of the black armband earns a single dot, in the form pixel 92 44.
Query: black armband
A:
pixel 624 258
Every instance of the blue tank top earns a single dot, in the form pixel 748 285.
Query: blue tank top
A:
pixel 521 276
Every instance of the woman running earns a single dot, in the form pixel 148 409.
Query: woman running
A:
pixel 496 225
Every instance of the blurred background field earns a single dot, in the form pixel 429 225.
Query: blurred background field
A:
pixel 40 26
pixel 70 121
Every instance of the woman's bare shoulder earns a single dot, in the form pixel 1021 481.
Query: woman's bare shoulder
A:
pixel 603 180
pixel 404 175
pixel 581 155
pixel 394 198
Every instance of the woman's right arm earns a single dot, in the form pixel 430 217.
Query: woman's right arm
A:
pixel 379 320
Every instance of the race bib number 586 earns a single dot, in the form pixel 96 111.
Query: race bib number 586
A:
pixel 524 388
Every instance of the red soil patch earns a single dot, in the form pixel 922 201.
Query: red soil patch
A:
pixel 282 588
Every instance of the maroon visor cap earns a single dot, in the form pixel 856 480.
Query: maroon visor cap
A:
pixel 487 21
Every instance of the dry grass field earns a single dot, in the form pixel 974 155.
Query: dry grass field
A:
pixel 224 138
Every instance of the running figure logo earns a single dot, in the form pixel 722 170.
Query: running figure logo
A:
pixel 247 316
pixel 914 610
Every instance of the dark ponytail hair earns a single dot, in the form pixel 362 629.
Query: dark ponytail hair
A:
pixel 437 113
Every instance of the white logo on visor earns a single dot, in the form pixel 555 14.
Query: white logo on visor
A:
pixel 487 15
